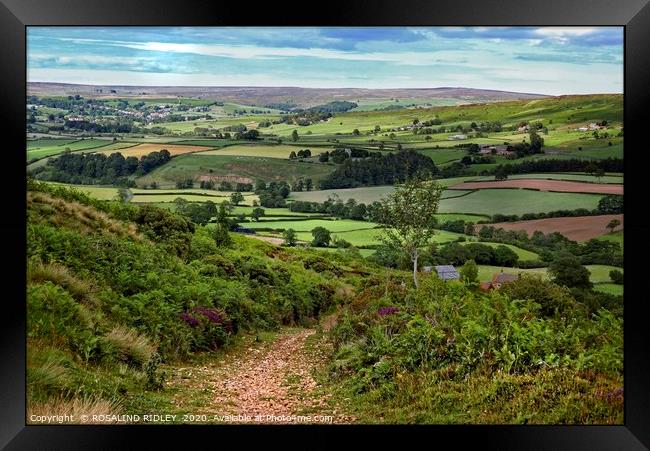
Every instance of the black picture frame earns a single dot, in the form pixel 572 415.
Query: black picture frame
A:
pixel 15 15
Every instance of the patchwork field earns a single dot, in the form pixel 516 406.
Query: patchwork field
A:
pixel 524 255
pixel 270 151
pixel 41 148
pixel 334 225
pixel 544 185
pixel 171 197
pixel 517 201
pixel 579 228
pixel 558 176
pixel 191 166
pixel 599 275
pixel 98 192
pixel 145 149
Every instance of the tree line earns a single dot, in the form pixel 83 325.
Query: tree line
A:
pixel 97 168
pixel 379 169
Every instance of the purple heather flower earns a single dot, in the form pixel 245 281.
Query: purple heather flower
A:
pixel 189 319
pixel 387 311
pixel 211 314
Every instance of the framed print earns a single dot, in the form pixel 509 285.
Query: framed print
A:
pixel 274 221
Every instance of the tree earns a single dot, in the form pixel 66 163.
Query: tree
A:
pixel 290 237
pixel 616 276
pixel 236 198
pixel 321 236
pixel 123 194
pixel 567 270
pixel 324 157
pixel 309 184
pixel 611 204
pixel 356 132
pixel 257 213
pixel 613 224
pixel 220 233
pixel 469 272
pixel 294 135
pixel 500 173
pixel 292 155
pixel 469 229
pixel 408 217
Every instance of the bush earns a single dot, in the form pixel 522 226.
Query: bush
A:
pixel 616 276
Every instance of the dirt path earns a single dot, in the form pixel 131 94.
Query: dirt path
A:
pixel 269 383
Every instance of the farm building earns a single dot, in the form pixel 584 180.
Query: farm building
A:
pixel 447 272
pixel 498 280
pixel 457 137
pixel 490 149
pixel 523 128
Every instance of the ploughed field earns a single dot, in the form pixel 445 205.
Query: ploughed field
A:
pixel 579 228
pixel 544 185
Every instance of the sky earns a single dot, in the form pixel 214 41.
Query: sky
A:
pixel 542 60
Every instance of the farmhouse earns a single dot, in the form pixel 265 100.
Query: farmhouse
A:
pixel 447 272
pixel 498 280
pixel 490 149
pixel 523 128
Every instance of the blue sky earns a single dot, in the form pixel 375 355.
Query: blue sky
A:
pixel 546 60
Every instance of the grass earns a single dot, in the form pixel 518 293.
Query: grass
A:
pixel 270 151
pixel 440 156
pixel 156 198
pixel 54 148
pixel 252 168
pixel 517 201
pixel 616 237
pixel 524 255
pixel 609 288
pixel 334 225
pixel 140 150
pixel 558 176
pixel 364 195
pixel 98 192
pixel 599 273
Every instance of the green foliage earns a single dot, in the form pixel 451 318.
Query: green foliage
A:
pixel 290 237
pixel 616 276
pixel 567 270
pixel 450 330
pixel 469 272
pixel 321 236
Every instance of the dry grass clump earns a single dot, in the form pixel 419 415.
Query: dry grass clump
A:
pixel 70 411
pixel 130 345
pixel 60 275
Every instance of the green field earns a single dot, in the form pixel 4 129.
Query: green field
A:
pixel 616 237
pixel 157 198
pixel 441 156
pixel 190 166
pixel 599 275
pixel 98 192
pixel 51 147
pixel 517 201
pixel 524 255
pixel 270 151
pixel 559 176
pixel 364 195
pixel 334 225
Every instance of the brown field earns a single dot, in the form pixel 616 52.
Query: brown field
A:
pixel 579 228
pixel 545 185
pixel 144 149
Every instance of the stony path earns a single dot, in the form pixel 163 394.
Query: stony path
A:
pixel 269 383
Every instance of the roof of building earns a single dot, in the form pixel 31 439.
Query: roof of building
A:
pixel 447 272
pixel 504 277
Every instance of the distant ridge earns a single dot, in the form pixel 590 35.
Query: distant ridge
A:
pixel 302 97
